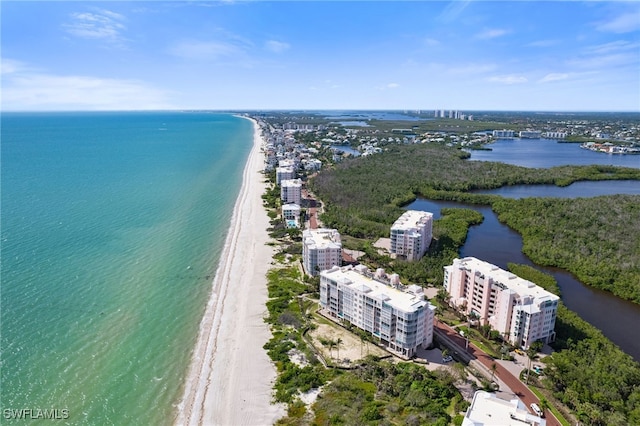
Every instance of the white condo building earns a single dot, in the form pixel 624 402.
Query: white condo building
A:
pixel 291 191
pixel 398 315
pixel 284 173
pixel 411 234
pixel 321 249
pixel 530 134
pixel 503 133
pixel 555 135
pixel 520 310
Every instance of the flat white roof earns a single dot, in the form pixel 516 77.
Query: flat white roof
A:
pixel 406 302
pixel 322 238
pixel 291 182
pixel 412 219
pixel 487 409
pixel 290 206
pixel 511 281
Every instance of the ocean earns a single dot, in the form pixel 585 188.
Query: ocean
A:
pixel 112 227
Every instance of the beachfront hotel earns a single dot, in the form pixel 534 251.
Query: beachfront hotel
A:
pixel 411 234
pixel 399 316
pixel 321 249
pixel 291 191
pixel 520 310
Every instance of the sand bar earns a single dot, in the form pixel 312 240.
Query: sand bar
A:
pixel 230 378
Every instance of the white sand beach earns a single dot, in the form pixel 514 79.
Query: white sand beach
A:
pixel 231 377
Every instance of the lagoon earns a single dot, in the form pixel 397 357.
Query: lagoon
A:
pixel 545 153
pixel 575 190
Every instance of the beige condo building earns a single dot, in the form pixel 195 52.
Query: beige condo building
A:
pixel 520 310
pixel 411 234
pixel 321 249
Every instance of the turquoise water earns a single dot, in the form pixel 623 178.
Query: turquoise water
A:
pixel 112 227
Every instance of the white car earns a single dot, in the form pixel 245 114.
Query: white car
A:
pixel 447 358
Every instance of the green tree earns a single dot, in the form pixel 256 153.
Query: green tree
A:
pixel 494 368
pixel 338 343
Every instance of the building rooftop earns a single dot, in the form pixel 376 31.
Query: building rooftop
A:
pixel 290 206
pixel 487 409
pixel 321 238
pixel 411 219
pixel 379 286
pixel 291 182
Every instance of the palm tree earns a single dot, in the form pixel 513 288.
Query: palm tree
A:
pixel 532 353
pixel 494 368
pixel 544 404
pixel 338 343
pixel 331 344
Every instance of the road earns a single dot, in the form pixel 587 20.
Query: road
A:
pixel 513 382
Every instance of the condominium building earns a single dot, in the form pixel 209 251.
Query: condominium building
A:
pixel 377 303
pixel 487 409
pixel 411 234
pixel 291 215
pixel 503 133
pixel 520 310
pixel 284 173
pixel 555 135
pixel 291 191
pixel 321 249
pixel 530 134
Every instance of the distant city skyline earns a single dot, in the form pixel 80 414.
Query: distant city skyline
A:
pixel 383 55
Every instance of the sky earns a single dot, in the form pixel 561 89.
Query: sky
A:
pixel 248 55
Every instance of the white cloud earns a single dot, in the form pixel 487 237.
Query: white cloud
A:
pixel 389 86
pixel 10 66
pixel 431 42
pixel 508 79
pixel 491 33
pixel 276 46
pixel 453 10
pixel 553 77
pixel 100 25
pixel 605 61
pixel 40 91
pixel 193 49
pixel 624 23
pixel 619 53
pixel 614 46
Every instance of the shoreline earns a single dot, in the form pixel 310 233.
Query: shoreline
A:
pixel 230 376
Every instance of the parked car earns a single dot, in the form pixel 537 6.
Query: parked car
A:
pixel 447 358
pixel 537 410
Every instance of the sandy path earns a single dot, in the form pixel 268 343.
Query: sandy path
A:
pixel 230 377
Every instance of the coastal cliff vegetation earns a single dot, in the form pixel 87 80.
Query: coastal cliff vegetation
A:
pixel 363 197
